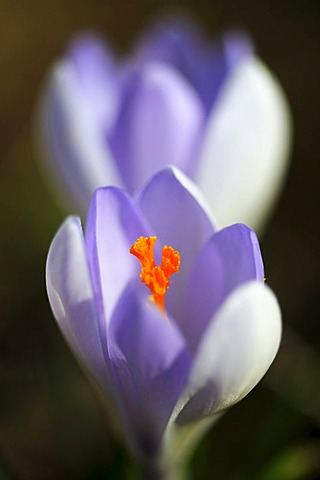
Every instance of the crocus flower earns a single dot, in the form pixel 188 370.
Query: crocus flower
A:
pixel 212 109
pixel 170 358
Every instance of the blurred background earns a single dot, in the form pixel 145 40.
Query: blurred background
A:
pixel 52 424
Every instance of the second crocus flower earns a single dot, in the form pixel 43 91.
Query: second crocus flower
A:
pixel 213 110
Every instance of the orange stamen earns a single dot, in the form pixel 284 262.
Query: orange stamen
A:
pixel 156 277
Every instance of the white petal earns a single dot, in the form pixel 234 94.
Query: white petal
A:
pixel 71 297
pixel 245 150
pixel 73 140
pixel 237 349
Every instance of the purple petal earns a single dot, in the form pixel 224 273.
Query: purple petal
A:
pixel 73 139
pixel 236 351
pixel 177 214
pixel 231 257
pixel 237 46
pixel 150 364
pixel 170 41
pixel 161 123
pixel 206 66
pixel 209 69
pixel 71 298
pixel 113 225
pixel 97 76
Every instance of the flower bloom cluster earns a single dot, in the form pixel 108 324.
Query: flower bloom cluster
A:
pixel 168 354
pixel 211 109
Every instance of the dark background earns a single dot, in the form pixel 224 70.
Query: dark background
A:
pixel 52 424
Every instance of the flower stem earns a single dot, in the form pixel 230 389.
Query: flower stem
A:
pixel 152 472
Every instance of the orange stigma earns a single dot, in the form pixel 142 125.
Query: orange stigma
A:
pixel 156 277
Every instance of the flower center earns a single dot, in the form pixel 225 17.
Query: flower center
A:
pixel 156 277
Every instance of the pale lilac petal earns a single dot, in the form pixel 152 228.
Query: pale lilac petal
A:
pixel 178 216
pixel 213 64
pixel 97 76
pixel 231 257
pixel 113 225
pixel 236 351
pixel 150 364
pixel 171 40
pixel 161 123
pixel 73 140
pixel 244 155
pixel 72 300
pixel 206 66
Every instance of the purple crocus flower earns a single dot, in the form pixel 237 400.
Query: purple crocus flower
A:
pixel 212 109
pixel 170 369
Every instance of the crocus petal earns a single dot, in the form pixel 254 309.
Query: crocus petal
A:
pixel 213 63
pixel 206 66
pixel 177 213
pixel 230 257
pixel 170 41
pixel 150 363
pixel 73 141
pixel 236 351
pixel 97 77
pixel 153 130
pixel 71 298
pixel 245 146
pixel 113 225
